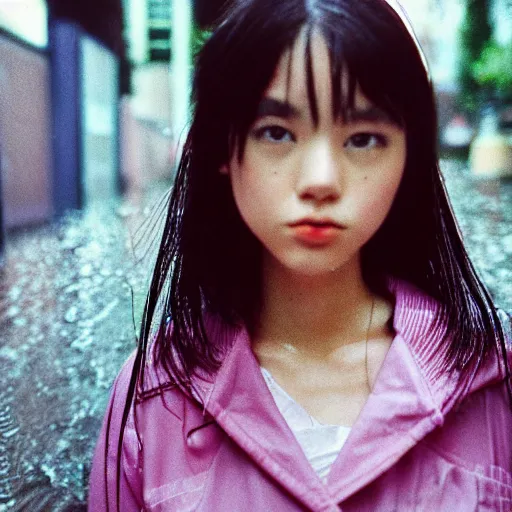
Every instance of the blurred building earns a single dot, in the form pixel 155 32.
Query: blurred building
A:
pixel 25 114
pixel 155 115
pixel 92 99
pixel 27 19
pixel 59 99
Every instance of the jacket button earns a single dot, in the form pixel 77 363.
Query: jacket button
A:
pixel 197 440
pixel 203 438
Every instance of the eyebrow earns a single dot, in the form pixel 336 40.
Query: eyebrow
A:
pixel 277 108
pixel 371 114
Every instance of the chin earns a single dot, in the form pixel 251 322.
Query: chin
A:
pixel 313 266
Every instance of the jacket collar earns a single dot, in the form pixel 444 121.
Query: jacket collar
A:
pixel 242 405
pixel 406 403
pixel 411 397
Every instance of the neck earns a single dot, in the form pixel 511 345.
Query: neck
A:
pixel 314 314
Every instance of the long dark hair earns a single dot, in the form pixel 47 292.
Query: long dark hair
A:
pixel 209 262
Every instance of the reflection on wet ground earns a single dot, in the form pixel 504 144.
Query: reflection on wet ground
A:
pixel 66 326
pixel 70 295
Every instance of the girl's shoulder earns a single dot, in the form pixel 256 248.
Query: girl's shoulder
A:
pixel 421 321
pixel 133 389
pixel 415 309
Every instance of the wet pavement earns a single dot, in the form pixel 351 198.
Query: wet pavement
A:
pixel 71 294
pixel 67 293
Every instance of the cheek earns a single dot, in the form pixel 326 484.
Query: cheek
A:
pixel 377 202
pixel 257 187
pixel 246 189
pixel 252 195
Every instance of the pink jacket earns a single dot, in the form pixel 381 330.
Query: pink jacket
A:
pixel 414 447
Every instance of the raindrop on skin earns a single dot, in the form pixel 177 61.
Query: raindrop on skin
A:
pixel 290 348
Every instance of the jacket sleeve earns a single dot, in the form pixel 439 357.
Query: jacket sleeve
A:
pixel 103 477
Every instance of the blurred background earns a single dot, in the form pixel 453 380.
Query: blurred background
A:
pixel 93 107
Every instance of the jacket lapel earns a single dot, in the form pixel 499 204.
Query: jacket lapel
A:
pixel 243 406
pixel 399 412
pixel 410 398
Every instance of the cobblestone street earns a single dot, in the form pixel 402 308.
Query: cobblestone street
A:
pixel 71 296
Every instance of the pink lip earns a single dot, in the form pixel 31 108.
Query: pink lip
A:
pixel 316 232
pixel 311 221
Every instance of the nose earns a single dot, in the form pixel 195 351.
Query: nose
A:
pixel 319 177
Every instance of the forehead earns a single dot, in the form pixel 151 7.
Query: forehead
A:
pixel 290 80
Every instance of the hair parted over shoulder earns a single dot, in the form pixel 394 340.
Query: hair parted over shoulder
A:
pixel 209 262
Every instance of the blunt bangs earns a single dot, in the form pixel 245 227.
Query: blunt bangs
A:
pixel 370 48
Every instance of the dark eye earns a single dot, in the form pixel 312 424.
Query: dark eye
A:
pixel 274 134
pixel 365 141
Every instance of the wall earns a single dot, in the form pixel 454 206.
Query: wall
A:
pixel 25 134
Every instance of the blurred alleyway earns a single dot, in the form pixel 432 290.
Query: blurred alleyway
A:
pixel 67 324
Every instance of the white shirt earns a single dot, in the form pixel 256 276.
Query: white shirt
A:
pixel 321 443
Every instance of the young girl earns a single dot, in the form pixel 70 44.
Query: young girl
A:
pixel 315 336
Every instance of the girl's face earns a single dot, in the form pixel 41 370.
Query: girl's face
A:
pixel 314 195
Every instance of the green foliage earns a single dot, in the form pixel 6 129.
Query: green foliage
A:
pixel 199 36
pixel 493 70
pixel 474 34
